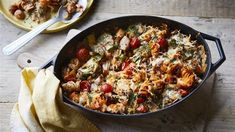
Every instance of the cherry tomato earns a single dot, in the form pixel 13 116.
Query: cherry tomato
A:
pixel 85 85
pixel 106 88
pixel 140 100
pixel 83 54
pixel 163 43
pixel 127 67
pixel 141 109
pixel 183 92
pixel 128 71
pixel 135 42
pixel 125 64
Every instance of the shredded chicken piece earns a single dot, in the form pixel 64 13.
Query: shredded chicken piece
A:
pixel 71 86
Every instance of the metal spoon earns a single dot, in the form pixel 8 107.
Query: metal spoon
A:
pixel 17 44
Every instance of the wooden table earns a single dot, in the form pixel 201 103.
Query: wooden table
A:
pixel 214 18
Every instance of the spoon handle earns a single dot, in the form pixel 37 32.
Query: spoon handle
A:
pixel 17 44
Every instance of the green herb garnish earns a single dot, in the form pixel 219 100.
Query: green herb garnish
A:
pixel 173 43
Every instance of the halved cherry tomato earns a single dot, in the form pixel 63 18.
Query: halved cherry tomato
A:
pixel 163 43
pixel 128 71
pixel 106 88
pixel 135 42
pixel 183 92
pixel 83 54
pixel 85 85
pixel 125 64
pixel 141 109
pixel 140 100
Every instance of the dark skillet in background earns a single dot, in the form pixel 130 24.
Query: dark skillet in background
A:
pixel 68 51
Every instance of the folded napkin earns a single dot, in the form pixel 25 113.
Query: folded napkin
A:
pixel 40 106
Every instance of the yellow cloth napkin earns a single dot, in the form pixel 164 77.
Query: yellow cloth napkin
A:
pixel 40 106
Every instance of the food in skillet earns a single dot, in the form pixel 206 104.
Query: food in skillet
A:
pixel 139 69
pixel 42 10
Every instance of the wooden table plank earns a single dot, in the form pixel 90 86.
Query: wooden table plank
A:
pixel 5 116
pixel 199 8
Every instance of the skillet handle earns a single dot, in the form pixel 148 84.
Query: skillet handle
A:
pixel 222 58
pixel 49 63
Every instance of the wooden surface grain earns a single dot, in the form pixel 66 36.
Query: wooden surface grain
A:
pixel 199 8
pixel 221 115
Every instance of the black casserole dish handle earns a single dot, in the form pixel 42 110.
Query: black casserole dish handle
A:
pixel 49 62
pixel 222 58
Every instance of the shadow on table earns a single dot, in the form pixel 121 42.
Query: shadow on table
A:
pixel 217 103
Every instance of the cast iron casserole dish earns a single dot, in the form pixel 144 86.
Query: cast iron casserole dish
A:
pixel 68 51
